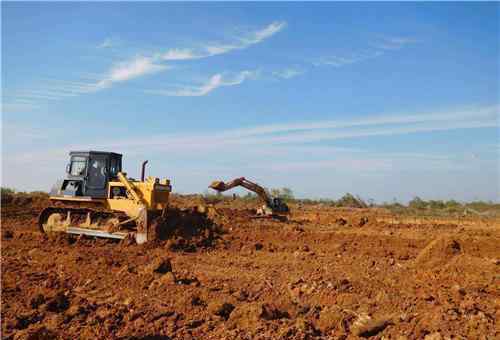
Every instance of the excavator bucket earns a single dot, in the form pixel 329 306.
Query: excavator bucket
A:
pixel 218 185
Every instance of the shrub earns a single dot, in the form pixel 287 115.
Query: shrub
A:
pixel 350 201
pixel 285 194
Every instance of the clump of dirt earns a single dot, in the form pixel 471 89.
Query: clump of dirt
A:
pixel 330 318
pixel 221 309
pixel 366 326
pixel 247 316
pixel 341 221
pixel 8 234
pixel 438 252
pixel 159 265
pixel 58 303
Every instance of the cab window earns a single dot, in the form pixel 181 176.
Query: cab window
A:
pixel 114 167
pixel 78 165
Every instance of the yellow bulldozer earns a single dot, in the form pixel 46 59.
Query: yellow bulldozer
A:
pixel 97 199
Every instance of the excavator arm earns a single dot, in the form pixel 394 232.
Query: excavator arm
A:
pixel 251 186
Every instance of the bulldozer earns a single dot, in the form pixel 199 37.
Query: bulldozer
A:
pixel 96 198
pixel 272 206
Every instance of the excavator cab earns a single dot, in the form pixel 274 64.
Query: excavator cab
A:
pixel 88 174
pixel 279 206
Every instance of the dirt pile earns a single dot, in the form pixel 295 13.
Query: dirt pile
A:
pixel 438 252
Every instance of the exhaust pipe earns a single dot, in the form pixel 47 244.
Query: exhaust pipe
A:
pixel 143 170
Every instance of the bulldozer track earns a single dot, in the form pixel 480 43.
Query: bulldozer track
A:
pixel 78 211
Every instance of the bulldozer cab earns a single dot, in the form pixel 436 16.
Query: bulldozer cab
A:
pixel 88 174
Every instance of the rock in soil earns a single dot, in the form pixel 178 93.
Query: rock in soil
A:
pixel 221 309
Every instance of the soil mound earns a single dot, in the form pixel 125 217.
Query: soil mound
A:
pixel 438 252
pixel 189 229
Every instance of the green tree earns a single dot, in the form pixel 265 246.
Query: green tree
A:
pixel 283 193
pixel 417 203
pixel 350 201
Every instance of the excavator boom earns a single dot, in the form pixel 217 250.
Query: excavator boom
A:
pixel 243 182
pixel 272 205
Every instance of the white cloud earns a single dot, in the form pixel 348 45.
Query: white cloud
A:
pixel 179 54
pixel 264 33
pixel 107 43
pixel 144 65
pixel 214 82
pixel 394 43
pixel 49 89
pixel 307 132
pixel 221 49
pixel 56 89
pixel 348 58
pixel 131 69
pixel 213 49
pixel 378 48
pixel 472 113
pixel 288 73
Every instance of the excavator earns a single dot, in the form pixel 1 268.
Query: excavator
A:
pixel 97 199
pixel 272 207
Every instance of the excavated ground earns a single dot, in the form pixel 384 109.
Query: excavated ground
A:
pixel 326 273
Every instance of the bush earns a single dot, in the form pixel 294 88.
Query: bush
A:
pixel 7 191
pixel 350 201
pixel 417 203
pixel 20 197
pixel 285 194
pixel 7 195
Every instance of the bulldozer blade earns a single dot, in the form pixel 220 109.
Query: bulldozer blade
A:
pixel 96 233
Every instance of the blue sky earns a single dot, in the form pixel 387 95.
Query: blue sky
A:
pixel 384 100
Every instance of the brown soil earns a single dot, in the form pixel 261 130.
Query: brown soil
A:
pixel 324 273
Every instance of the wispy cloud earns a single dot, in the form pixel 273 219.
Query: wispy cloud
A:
pixel 303 133
pixel 180 54
pixel 377 48
pixel 49 89
pixel 107 43
pixel 131 69
pixel 348 58
pixel 143 65
pixel 146 64
pixel 464 114
pixel 394 43
pixel 279 134
pixel 213 49
pixel 214 82
pixel 288 73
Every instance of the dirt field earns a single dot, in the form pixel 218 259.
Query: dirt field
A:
pixel 326 273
